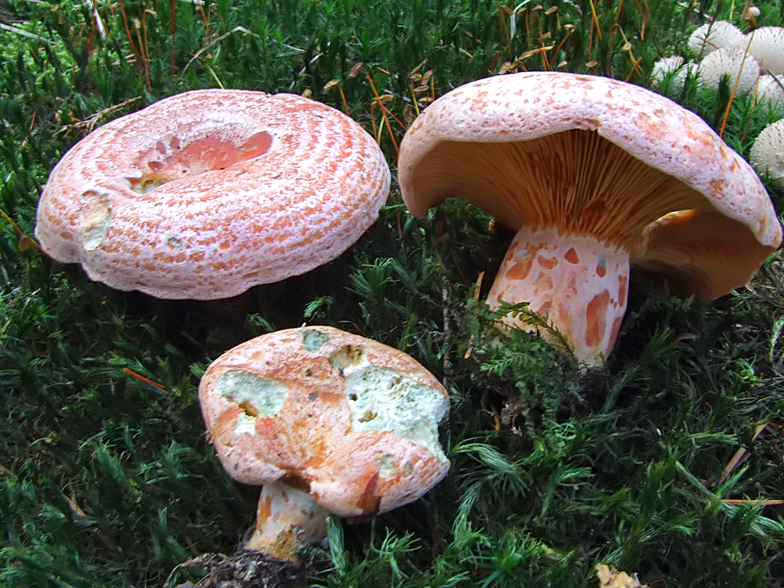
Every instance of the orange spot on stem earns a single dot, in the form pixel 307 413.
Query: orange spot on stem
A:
pixel 596 314
pixel 615 329
pixel 264 511
pixel 623 288
pixel 519 271
pixel 601 267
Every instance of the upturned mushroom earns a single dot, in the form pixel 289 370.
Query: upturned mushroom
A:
pixel 207 193
pixel 327 422
pixel 596 175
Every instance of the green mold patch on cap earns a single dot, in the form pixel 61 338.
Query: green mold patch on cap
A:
pixel 256 396
pixel 313 340
pixel 383 399
pixel 96 216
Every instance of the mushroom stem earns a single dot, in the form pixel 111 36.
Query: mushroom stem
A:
pixel 286 518
pixel 577 282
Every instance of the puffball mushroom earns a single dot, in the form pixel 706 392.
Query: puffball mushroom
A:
pixel 766 44
pixel 712 36
pixel 767 153
pixel 327 422
pixel 735 63
pixel 770 93
pixel 207 193
pixel 595 175
pixel 677 70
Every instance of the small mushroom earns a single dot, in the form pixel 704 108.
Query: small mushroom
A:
pixel 207 193
pixel 609 577
pixel 712 36
pixel 327 422
pixel 584 168
pixel 770 93
pixel 767 153
pixel 766 44
pixel 676 69
pixel 739 66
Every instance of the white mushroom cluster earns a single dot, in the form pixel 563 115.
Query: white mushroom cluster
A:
pixel 750 61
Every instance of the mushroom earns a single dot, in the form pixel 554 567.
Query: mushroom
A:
pixel 676 69
pixel 766 44
pixel 327 422
pixel 767 153
pixel 712 36
pixel 770 92
pixel 207 193
pixel 609 577
pixel 583 168
pixel 738 65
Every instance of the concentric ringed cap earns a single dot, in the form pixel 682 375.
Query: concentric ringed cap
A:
pixel 207 193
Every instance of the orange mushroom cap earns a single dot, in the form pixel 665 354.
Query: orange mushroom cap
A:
pixel 596 175
pixel 207 193
pixel 347 419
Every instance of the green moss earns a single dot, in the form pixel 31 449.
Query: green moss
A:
pixel 107 478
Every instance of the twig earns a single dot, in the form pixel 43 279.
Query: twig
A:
pixel 735 88
pixel 383 108
pixel 19 231
pixel 89 123
pixel 763 502
pixel 595 19
pixel 18 31
pixel 140 377
pixel 238 28
pixel 739 457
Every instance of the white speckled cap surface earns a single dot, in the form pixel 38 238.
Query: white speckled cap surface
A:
pixel 767 152
pixel 712 36
pixel 349 419
pixel 207 193
pixel 720 192
pixel 767 45
pixel 741 68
